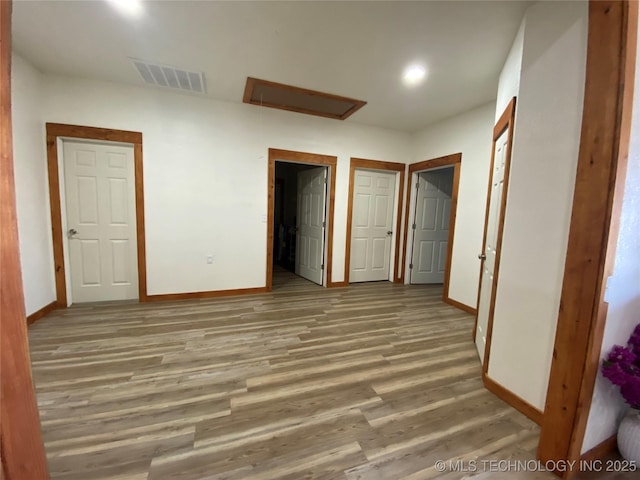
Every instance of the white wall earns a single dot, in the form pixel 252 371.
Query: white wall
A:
pixel 32 192
pixel 540 197
pixel 509 82
pixel 205 177
pixel 205 174
pixel 469 133
pixel 623 293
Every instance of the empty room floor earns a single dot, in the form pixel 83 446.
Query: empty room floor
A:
pixel 373 381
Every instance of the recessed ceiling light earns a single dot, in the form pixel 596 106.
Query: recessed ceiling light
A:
pixel 414 74
pixel 130 8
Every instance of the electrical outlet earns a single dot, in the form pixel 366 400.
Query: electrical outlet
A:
pixel 209 259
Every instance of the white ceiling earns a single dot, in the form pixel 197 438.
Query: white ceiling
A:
pixel 356 49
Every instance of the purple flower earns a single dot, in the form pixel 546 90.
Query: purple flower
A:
pixel 622 368
pixel 631 392
pixel 615 373
pixel 621 355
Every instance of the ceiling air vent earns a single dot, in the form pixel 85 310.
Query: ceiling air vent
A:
pixel 170 77
pixel 302 100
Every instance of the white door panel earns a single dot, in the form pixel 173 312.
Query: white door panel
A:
pixel 359 254
pixel 361 214
pixel 89 261
pixel 372 220
pixel 491 238
pixel 431 226
pixel 100 207
pixel 442 256
pixel 312 198
pixel 425 256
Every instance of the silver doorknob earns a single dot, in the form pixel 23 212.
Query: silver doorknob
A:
pixel 71 232
pixel 482 256
pixel 389 232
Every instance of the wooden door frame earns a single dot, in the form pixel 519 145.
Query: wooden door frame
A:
pixel 310 159
pixel 454 160
pixel 506 121
pixel 22 452
pixel 593 233
pixel 58 130
pixel 398 168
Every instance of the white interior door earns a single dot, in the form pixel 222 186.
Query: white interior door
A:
pixel 431 226
pixel 371 225
pixel 101 220
pixel 312 199
pixel 488 257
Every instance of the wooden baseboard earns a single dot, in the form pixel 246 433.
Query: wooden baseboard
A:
pixel 512 399
pixel 38 314
pixel 346 284
pixel 209 294
pixel 459 305
pixel 601 450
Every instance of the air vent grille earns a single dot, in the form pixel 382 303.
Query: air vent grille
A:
pixel 170 77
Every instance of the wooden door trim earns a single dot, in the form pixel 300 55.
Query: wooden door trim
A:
pixel 307 158
pixel 42 312
pixel 58 130
pixel 22 452
pixel 382 166
pixel 454 160
pixel 534 414
pixel 604 448
pixel 597 203
pixel 505 122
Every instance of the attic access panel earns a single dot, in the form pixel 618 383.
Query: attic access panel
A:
pixel 301 100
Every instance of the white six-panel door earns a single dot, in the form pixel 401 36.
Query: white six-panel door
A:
pixel 431 226
pixel 371 225
pixel 312 199
pixel 101 220
pixel 491 238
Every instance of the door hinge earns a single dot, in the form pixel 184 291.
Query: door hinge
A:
pixel 325 180
pixel 411 265
pixel 324 224
pixel 418 185
pixel 413 227
pixel 322 267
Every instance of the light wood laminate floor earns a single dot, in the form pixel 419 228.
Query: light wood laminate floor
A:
pixel 374 381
